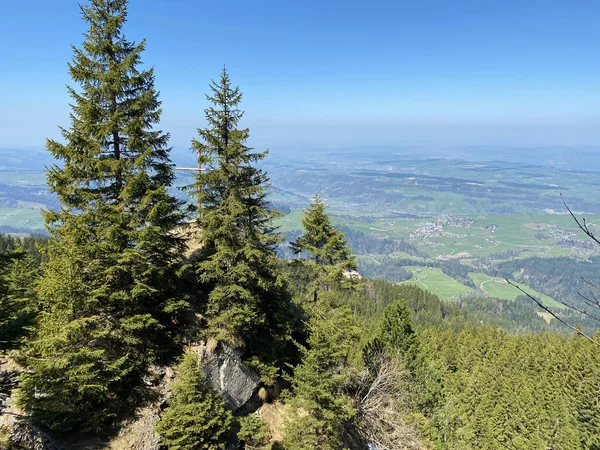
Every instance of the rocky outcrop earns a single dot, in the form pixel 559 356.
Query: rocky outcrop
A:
pixel 19 434
pixel 8 381
pixel 136 434
pixel 15 431
pixel 139 434
pixel 226 373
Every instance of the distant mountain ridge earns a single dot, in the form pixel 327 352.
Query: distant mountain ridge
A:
pixel 24 159
pixel 561 157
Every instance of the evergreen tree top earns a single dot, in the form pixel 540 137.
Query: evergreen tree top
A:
pixel 106 19
pixel 325 250
pixel 222 144
pixel 111 151
pixel 225 100
pixel 324 242
pixel 238 258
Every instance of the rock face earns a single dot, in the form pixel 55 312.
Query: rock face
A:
pixel 139 434
pixel 8 381
pixel 23 435
pixel 16 431
pixel 226 374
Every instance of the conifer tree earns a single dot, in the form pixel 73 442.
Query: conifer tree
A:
pixel 395 335
pixel 237 262
pixel 196 417
pixel 319 380
pixel 254 433
pixel 17 310
pixel 583 377
pixel 9 311
pixel 108 289
pixel 324 246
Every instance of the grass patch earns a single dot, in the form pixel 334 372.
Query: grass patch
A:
pixel 499 288
pixel 545 315
pixel 21 218
pixel 437 282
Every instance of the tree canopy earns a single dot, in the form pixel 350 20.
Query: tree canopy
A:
pixel 107 291
pixel 237 263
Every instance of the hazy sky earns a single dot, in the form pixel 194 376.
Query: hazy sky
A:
pixel 333 73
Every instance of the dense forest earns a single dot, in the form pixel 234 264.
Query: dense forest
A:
pixel 142 322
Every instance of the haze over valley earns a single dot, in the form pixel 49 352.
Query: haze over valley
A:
pixel 462 218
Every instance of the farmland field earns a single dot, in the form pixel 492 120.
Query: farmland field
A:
pixel 452 215
pixel 498 288
pixel 466 238
pixel 434 280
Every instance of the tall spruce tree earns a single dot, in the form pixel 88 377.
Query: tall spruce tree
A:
pixel 324 246
pixel 108 289
pixel 320 403
pixel 237 263
pixel 395 336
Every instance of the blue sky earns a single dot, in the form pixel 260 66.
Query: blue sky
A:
pixel 329 73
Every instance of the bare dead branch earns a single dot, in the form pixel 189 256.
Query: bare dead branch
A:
pixel 549 311
pixel 583 224
pixel 596 299
pixel 593 303
pixel 588 301
pixel 383 398
pixel 580 311
pixel 596 302
pixel 22 416
pixel 591 283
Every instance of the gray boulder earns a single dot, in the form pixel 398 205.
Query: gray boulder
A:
pixel 226 374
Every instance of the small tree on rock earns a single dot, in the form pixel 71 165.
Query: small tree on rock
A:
pixel 196 417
